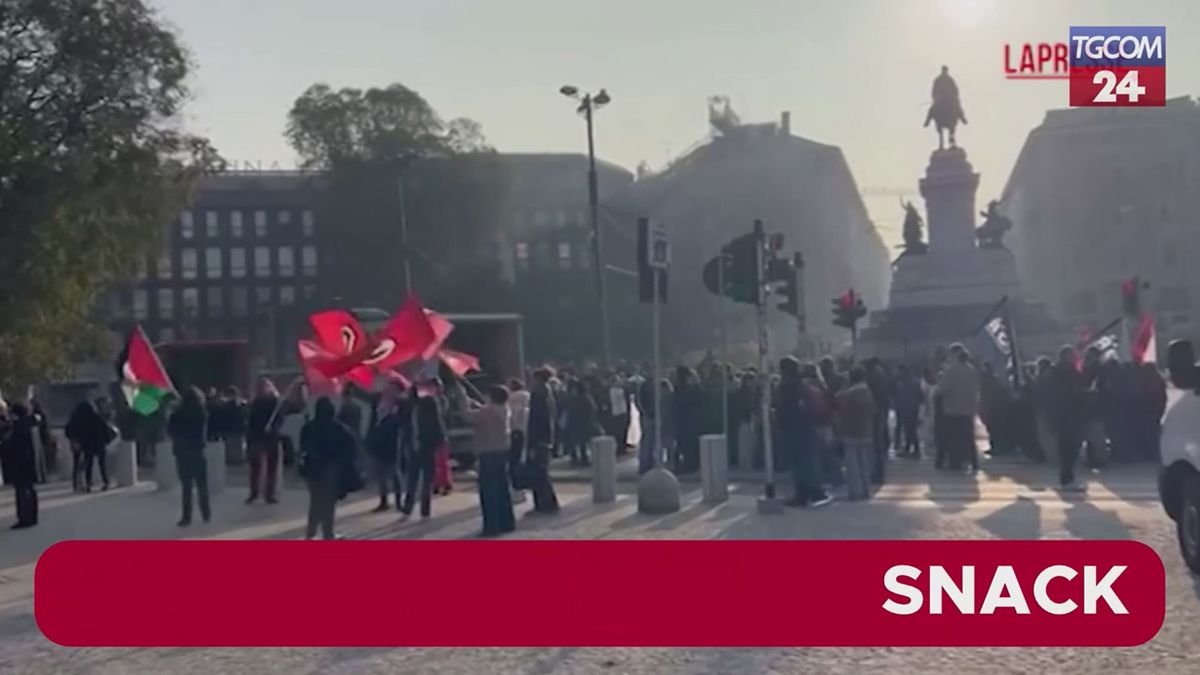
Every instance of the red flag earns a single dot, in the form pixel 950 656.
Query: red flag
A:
pixel 441 330
pixel 338 332
pixel 1144 345
pixel 459 362
pixel 407 336
pixel 319 384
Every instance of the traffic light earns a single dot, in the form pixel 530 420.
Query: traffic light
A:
pixel 738 268
pixel 848 308
pixel 1131 295
pixel 786 273
pixel 653 259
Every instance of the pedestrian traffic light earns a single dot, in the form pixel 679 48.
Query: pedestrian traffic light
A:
pixel 653 260
pixel 848 308
pixel 786 273
pixel 737 269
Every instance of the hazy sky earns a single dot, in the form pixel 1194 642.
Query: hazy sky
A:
pixel 854 73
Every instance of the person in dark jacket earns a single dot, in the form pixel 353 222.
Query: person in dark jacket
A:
pixel 428 434
pixel 582 423
pixel 187 429
pixel 543 412
pixel 687 412
pixel 90 433
pixel 388 427
pixel 19 446
pixel 326 447
pixel 262 440
pixel 1067 392
pixel 231 411
pixel 793 406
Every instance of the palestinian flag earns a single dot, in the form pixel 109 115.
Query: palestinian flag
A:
pixel 143 379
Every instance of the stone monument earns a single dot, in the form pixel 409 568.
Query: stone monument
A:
pixel 942 290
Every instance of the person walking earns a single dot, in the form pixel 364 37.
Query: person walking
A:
pixel 327 447
pixel 959 389
pixel 20 444
pixel 542 415
pixel 793 406
pixel 263 422
pixel 908 399
pixel 854 420
pixel 89 435
pixel 492 440
pixel 187 429
pixel 582 424
pixel 429 435
pixel 1067 392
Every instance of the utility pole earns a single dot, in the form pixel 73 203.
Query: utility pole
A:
pixel 768 503
pixel 594 208
pixel 724 350
pixel 408 287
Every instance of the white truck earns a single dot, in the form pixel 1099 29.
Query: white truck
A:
pixel 1179 478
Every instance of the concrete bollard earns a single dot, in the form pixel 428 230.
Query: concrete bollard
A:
pixel 165 475
pixel 714 469
pixel 214 459
pixel 604 469
pixel 124 463
pixel 658 492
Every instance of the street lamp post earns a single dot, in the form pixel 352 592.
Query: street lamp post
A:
pixel 588 104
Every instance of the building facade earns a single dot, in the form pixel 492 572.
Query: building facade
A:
pixel 1098 195
pixel 240 263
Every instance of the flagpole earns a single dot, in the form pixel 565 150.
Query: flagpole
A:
pixel 1016 351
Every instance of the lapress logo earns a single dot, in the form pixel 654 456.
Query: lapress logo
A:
pixel 1118 65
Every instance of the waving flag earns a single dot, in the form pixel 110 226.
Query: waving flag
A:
pixel 143 379
pixel 441 330
pixel 459 362
pixel 345 346
pixel 406 336
pixel 319 384
pixel 998 326
pixel 1145 346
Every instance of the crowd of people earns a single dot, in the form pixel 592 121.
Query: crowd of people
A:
pixel 835 424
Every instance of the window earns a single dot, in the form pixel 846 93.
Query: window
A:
pixel 287 261
pixel 212 262
pixel 308 257
pixel 212 228
pixel 310 291
pixel 166 334
pixel 564 255
pixel 285 217
pixel 142 268
pixel 237 263
pixel 239 301
pixel 262 295
pixel 235 224
pixel 522 253
pixel 539 218
pixel 262 261
pixel 287 296
pixel 216 301
pixel 562 218
pixel 187 226
pixel 166 303
pixel 260 223
pixel 585 258
pixel 139 303
pixel 116 305
pixel 187 263
pixel 308 221
pixel 191 302
pixel 164 265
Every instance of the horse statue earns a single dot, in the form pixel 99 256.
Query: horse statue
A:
pixel 991 233
pixel 946 110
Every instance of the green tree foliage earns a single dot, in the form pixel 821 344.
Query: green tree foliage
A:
pixel 454 186
pixel 92 164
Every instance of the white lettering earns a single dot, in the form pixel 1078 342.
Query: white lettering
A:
pixel 941 584
pixel 1079 41
pixel 1005 591
pixel 1095 590
pixel 1042 583
pixel 1113 47
pixel 891 582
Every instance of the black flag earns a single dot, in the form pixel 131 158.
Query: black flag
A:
pixel 999 327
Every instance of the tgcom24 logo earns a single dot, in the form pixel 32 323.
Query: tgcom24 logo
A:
pixel 1110 66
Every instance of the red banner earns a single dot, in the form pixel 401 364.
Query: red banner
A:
pixel 613 593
